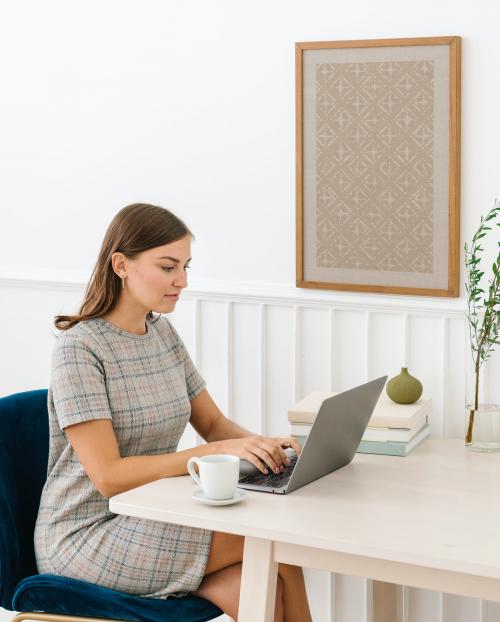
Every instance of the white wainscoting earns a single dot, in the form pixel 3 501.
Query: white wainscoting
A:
pixel 260 349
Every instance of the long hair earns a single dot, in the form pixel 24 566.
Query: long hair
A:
pixel 134 229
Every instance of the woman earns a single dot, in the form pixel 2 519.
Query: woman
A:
pixel 123 388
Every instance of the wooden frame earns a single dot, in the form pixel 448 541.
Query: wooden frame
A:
pixel 444 256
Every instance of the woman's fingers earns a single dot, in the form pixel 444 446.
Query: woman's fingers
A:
pixel 270 451
pixel 275 447
pixel 276 456
pixel 263 452
pixel 253 459
pixel 289 441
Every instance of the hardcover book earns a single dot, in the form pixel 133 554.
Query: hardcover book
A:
pixel 391 448
pixel 387 414
pixel 402 435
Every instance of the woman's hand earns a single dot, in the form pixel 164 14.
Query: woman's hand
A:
pixel 260 450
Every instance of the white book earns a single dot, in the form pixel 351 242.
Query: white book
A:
pixel 392 448
pixel 386 414
pixel 300 429
pixel 402 435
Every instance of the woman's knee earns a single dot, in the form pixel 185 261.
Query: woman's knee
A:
pixel 223 588
pixel 226 550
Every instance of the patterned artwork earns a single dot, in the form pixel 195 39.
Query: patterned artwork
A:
pixel 374 165
pixel 378 165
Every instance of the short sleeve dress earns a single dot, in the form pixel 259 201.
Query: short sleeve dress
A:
pixel 143 384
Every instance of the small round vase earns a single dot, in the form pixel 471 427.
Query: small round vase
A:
pixel 404 388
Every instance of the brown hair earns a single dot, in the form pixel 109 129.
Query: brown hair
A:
pixel 134 229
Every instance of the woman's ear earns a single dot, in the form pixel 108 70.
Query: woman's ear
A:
pixel 118 263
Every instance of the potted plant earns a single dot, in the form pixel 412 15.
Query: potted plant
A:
pixel 483 316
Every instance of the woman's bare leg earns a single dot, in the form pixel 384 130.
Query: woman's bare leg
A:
pixel 223 589
pixel 295 605
pixel 227 550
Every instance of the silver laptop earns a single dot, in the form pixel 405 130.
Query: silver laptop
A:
pixel 331 444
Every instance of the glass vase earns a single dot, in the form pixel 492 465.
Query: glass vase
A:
pixel 482 416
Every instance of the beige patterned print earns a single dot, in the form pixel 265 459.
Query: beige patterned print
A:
pixel 374 165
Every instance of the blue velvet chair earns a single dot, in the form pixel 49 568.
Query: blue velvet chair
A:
pixel 24 447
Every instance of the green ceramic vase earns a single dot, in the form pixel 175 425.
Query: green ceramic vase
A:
pixel 404 389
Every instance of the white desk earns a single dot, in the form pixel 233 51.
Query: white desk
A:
pixel 429 520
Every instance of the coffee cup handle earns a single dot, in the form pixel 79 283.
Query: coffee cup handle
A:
pixel 192 472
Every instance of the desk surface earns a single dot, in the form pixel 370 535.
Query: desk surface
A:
pixel 439 507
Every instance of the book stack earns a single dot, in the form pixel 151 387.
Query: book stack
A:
pixel 393 429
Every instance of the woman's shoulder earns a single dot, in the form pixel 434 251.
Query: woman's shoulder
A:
pixel 82 335
pixel 166 328
pixel 91 334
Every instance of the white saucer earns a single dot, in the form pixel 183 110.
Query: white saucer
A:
pixel 199 495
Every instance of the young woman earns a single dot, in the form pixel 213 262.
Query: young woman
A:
pixel 123 388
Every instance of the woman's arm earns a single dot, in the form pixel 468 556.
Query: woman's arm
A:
pixel 210 423
pixel 224 428
pixel 225 436
pixel 97 449
pixel 96 446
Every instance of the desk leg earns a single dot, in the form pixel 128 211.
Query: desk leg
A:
pixel 258 581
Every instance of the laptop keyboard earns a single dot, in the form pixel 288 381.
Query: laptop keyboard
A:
pixel 272 480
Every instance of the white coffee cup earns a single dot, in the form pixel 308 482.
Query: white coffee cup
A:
pixel 219 474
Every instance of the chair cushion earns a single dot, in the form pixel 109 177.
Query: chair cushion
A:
pixel 56 594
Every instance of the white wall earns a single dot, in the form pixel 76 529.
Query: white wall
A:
pixel 191 105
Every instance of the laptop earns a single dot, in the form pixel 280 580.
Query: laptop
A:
pixel 331 444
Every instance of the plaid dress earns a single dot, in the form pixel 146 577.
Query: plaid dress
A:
pixel 143 384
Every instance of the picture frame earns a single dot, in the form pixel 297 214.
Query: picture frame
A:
pixel 378 165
